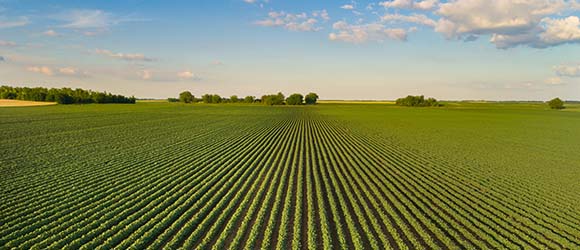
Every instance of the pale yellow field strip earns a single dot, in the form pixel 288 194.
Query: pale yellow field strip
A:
pixel 19 103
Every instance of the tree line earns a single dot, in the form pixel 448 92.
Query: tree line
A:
pixel 62 95
pixel 417 101
pixel 272 99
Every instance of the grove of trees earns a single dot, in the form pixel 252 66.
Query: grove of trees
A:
pixel 62 95
pixel 272 99
pixel 556 103
pixel 417 101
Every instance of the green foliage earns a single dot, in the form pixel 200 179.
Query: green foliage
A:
pixel 347 176
pixel 277 99
pixel 61 96
pixel 295 99
pixel 172 99
pixel 211 98
pixel 311 98
pixel 234 99
pixel 417 101
pixel 186 97
pixel 249 99
pixel 556 103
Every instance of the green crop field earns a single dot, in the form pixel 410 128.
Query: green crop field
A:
pixel 352 176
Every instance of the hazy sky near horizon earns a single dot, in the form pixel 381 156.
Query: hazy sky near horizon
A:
pixel 461 49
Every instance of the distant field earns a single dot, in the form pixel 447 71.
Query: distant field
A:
pixel 18 103
pixel 353 176
pixel 354 102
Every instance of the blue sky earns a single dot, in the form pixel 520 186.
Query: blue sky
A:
pixel 462 49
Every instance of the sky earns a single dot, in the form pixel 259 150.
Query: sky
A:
pixel 352 50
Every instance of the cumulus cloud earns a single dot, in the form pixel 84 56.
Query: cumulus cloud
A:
pixel 411 4
pixel 295 22
pixel 568 70
pixel 509 23
pixel 123 56
pixel 365 32
pixel 554 81
pixel 41 69
pixel 560 31
pixel 21 21
pixel 347 7
pixel 64 71
pixel 68 71
pixel 145 74
pixel 185 75
pixel 50 33
pixel 7 43
pixel 163 75
pixel 413 18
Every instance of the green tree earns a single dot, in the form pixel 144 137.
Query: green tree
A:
pixel 294 99
pixel 234 99
pixel 277 99
pixel 249 99
pixel 216 99
pixel 186 97
pixel 556 103
pixel 311 98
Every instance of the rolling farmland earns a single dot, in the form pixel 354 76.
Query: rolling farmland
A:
pixel 351 176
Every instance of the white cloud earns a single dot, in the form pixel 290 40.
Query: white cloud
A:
pixel 7 43
pixel 411 4
pixel 162 75
pixel 185 75
pixel 84 19
pixel 145 74
pixel 41 69
pixel 123 56
pixel 93 19
pixel 64 71
pixel 217 62
pixel 295 22
pixel 413 18
pixel 323 14
pixel 568 70
pixel 365 32
pixel 347 7
pixel 554 81
pixel 68 71
pixel 560 31
pixel 262 2
pixel 21 21
pixel 509 23
pixel 50 33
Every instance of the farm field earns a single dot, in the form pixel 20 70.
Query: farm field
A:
pixel 19 103
pixel 341 175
